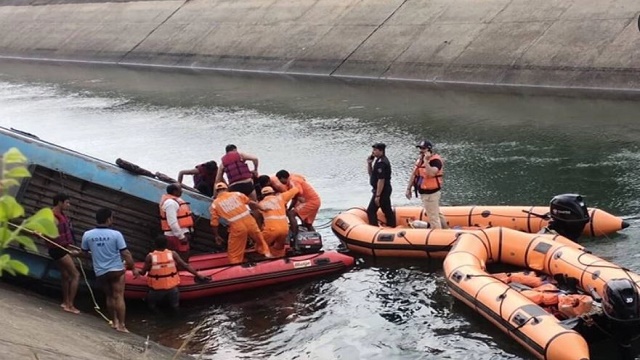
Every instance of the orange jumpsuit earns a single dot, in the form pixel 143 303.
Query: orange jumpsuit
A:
pixel 276 224
pixel 308 199
pixel 232 206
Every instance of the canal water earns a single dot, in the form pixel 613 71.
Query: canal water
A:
pixel 498 149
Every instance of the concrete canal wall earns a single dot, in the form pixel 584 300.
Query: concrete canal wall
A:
pixel 542 43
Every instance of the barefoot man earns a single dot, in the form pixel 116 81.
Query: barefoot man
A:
pixel 59 252
pixel 107 249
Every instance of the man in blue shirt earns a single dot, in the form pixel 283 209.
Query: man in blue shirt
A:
pixel 107 249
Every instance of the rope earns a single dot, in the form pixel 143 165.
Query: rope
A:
pixel 96 307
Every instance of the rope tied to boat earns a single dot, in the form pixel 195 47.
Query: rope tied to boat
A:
pixel 96 307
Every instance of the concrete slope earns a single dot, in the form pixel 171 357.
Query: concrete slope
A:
pixel 545 43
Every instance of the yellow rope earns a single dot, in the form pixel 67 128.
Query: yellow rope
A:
pixel 96 307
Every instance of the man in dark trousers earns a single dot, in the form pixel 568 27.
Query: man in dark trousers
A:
pixel 379 169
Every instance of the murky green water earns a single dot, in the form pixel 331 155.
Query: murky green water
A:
pixel 498 149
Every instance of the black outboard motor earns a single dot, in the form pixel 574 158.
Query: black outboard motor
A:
pixel 569 215
pixel 620 301
pixel 307 242
pixel 621 305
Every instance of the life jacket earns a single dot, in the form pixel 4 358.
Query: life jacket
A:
pixel 163 274
pixel 235 168
pixel 231 206
pixel 545 295
pixel 275 206
pixel 64 229
pixel 204 176
pixel 185 216
pixel 528 278
pixel 426 182
pixel 574 305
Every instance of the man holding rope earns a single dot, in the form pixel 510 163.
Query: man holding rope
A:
pixel 58 251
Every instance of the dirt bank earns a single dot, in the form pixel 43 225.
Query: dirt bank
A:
pixel 34 327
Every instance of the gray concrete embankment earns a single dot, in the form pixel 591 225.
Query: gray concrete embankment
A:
pixel 37 328
pixel 566 44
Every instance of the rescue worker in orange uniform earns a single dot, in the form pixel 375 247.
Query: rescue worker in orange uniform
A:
pixel 161 267
pixel 176 220
pixel 307 203
pixel 232 207
pixel 427 178
pixel 276 224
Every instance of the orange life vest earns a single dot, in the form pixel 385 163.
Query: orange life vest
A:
pixel 545 294
pixel 185 216
pixel 231 206
pixel 427 182
pixel 528 278
pixel 163 274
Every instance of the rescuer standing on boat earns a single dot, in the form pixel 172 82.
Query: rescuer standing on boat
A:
pixel 427 178
pixel 276 224
pixel 379 169
pixel 176 220
pixel 232 206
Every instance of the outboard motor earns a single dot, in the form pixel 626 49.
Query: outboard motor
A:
pixel 621 305
pixel 307 242
pixel 569 215
pixel 620 301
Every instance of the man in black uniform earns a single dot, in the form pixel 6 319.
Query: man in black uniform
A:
pixel 379 169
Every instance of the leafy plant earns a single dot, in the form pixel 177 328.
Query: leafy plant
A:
pixel 42 222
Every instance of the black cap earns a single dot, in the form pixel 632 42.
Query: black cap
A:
pixel 379 146
pixel 425 144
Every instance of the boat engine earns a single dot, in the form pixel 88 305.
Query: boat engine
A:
pixel 307 242
pixel 569 215
pixel 620 301
pixel 621 307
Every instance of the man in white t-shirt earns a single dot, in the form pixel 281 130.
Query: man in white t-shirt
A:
pixel 176 220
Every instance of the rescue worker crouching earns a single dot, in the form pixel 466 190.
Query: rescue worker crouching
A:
pixel 276 223
pixel 232 207
pixel 176 220
pixel 161 267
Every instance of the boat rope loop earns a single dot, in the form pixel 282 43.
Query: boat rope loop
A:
pixel 96 307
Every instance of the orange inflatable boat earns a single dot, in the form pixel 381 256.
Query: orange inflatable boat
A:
pixel 571 219
pixel 567 296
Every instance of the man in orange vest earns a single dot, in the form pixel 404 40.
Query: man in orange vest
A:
pixel 427 179
pixel 161 267
pixel 306 203
pixel 176 220
pixel 276 224
pixel 232 207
